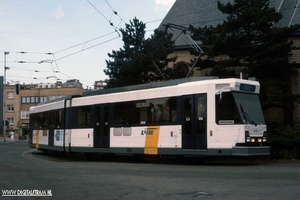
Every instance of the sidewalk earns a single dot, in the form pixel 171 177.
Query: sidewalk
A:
pixel 7 139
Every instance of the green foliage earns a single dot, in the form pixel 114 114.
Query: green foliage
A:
pixel 249 42
pixel 249 38
pixel 284 139
pixel 133 64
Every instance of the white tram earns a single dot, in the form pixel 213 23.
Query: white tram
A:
pixel 188 117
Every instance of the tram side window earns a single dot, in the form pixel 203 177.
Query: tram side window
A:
pixel 40 120
pixel 125 113
pixel 57 119
pixel 84 116
pixel 161 110
pixel 226 110
pixel 150 111
pixel 34 121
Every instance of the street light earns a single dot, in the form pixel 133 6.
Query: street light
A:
pixel 4 96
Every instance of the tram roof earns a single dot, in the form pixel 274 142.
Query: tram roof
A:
pixel 148 85
pixel 64 97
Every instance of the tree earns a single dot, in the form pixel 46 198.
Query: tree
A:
pixel 138 60
pixel 249 38
pixel 252 45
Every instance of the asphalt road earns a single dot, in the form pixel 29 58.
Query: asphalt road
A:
pixel 23 169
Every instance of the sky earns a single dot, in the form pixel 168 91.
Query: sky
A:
pixel 55 40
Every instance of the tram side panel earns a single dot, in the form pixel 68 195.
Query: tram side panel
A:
pixel 82 137
pixel 39 137
pixel 61 135
pixel 151 140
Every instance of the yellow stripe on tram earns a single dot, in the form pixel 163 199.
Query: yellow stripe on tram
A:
pixel 37 139
pixel 151 142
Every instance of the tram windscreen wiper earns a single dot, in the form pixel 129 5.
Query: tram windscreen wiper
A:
pixel 247 116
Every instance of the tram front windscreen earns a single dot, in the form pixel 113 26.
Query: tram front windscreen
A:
pixel 238 108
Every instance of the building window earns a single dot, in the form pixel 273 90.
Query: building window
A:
pixel 33 99
pixel 43 99
pixel 55 97
pixel 11 121
pixel 10 108
pixel 25 99
pixel 24 114
pixel 52 97
pixel 10 95
pixel 181 69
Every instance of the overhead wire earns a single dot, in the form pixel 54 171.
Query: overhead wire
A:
pixel 53 62
pixel 56 68
pixel 86 48
pixel 98 11
pixel 54 59
pixel 52 53
pixel 28 52
pixel 83 49
pixel 76 45
pixel 109 21
pixel 115 12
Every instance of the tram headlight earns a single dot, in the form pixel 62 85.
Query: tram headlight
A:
pixel 264 139
pixel 247 139
pixel 259 139
pixel 252 139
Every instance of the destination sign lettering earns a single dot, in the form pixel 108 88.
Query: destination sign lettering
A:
pixel 248 88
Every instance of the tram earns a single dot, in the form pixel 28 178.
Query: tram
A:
pixel 186 117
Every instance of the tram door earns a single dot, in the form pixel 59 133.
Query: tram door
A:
pixel 101 127
pixel 51 128
pixel 194 134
